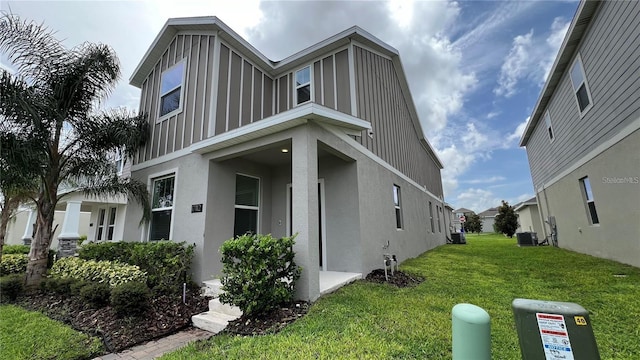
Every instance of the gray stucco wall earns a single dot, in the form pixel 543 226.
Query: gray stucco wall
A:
pixel 617 204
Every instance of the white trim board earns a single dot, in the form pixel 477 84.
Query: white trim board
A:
pixel 626 131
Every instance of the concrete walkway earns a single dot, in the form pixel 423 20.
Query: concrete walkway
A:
pixel 156 348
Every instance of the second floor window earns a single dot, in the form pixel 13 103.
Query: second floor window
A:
pixel 580 86
pixel 303 85
pixel 171 89
pixel 547 120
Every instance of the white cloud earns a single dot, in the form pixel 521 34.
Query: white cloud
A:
pixel 480 200
pixel 488 180
pixel 530 58
pixel 517 134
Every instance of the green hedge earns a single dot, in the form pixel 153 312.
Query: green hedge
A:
pixel 108 272
pixel 166 263
pixel 11 286
pixel 15 249
pixel 13 263
pixel 130 299
pixel 259 273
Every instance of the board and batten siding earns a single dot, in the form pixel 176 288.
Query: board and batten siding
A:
pixel 380 101
pixel 191 124
pixel 610 53
pixel 244 94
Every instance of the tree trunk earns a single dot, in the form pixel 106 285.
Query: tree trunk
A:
pixel 9 207
pixel 39 253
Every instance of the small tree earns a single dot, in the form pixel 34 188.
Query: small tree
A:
pixel 55 97
pixel 473 224
pixel 506 220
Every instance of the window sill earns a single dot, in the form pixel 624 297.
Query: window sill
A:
pixel 168 115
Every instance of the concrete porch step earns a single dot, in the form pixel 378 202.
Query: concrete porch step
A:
pixel 212 287
pixel 212 321
pixel 216 306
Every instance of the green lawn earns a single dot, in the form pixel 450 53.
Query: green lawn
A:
pixel 368 321
pixel 31 335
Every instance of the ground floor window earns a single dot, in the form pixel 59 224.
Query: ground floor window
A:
pixel 106 225
pixel 589 201
pixel 162 208
pixel 397 204
pixel 246 205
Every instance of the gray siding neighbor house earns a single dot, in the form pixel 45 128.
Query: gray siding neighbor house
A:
pixel 325 144
pixel 583 137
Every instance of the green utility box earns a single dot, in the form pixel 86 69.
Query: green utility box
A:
pixel 553 330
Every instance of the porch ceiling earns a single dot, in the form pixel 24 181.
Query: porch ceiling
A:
pixel 274 156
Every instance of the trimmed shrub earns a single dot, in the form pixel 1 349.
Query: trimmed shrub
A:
pixel 13 264
pixel 166 263
pixel 130 299
pixel 11 286
pixel 96 294
pixel 111 273
pixel 15 249
pixel 62 286
pixel 259 273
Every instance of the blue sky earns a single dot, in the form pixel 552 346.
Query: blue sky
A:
pixel 475 68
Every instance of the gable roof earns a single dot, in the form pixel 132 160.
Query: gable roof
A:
pixel 463 210
pixel 212 23
pixel 490 212
pixel 567 51
pixel 524 204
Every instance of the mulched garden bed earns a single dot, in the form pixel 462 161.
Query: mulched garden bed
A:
pixel 398 278
pixel 166 315
pixel 268 323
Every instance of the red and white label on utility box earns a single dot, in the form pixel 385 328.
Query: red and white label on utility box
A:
pixel 554 335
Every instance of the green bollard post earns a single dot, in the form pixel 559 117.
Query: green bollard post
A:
pixel 471 333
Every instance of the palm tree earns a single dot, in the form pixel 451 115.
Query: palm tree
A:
pixel 54 97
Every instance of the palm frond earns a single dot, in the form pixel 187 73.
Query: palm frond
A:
pixel 114 185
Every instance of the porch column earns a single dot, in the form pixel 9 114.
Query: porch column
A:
pixel 304 174
pixel 28 231
pixel 69 236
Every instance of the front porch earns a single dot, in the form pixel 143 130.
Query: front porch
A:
pixel 331 281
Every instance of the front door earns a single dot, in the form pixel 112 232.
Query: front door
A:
pixel 322 240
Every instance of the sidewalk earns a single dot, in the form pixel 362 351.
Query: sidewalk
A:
pixel 156 348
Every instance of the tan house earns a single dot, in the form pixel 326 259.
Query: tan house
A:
pixel 583 136
pixel 325 144
pixel 529 217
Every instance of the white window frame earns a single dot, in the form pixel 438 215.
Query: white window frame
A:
pixel 438 211
pixel 586 190
pixel 247 207
pixel 111 226
pixel 310 84
pixel 178 110
pixel 151 182
pixel 118 161
pixel 578 62
pixel 100 225
pixel 549 126
pixel 397 207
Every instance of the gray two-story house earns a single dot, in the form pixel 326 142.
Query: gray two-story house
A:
pixel 325 144
pixel 583 138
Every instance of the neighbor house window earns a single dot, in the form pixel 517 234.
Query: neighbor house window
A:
pixel 431 217
pixel 106 224
pixel 590 203
pixel 397 203
pixel 162 208
pixel 303 85
pixel 171 89
pixel 246 205
pixel 547 121
pixel 580 86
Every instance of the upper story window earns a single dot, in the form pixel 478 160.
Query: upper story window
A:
pixel 303 85
pixel 580 86
pixel 171 89
pixel 547 121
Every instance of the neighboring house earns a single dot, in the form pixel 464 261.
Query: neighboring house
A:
pixel 325 144
pixel 457 214
pixel 488 219
pixel 583 137
pixel 528 217
pixel 97 218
